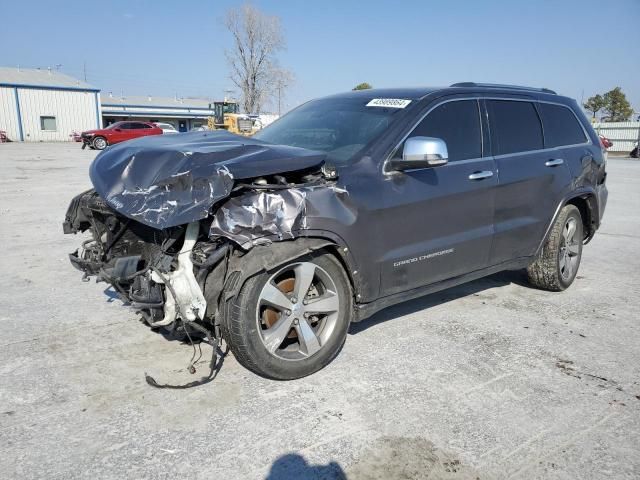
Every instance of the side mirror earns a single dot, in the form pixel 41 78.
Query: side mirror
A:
pixel 421 152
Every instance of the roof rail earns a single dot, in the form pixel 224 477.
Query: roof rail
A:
pixel 497 85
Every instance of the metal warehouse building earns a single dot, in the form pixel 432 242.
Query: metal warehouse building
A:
pixel 182 113
pixel 45 105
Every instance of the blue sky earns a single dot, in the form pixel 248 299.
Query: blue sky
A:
pixel 577 47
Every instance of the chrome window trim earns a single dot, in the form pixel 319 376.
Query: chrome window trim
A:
pixel 478 98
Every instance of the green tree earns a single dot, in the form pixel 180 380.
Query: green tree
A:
pixel 594 104
pixel 617 106
pixel 362 86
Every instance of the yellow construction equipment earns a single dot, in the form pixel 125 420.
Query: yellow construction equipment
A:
pixel 226 116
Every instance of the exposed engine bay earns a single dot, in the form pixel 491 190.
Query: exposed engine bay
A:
pixel 166 220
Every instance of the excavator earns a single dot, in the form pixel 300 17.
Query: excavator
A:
pixel 226 116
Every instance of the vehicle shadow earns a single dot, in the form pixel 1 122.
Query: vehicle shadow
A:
pixel 294 466
pixel 518 277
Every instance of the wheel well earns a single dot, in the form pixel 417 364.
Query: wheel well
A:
pixel 266 257
pixel 586 212
pixel 338 252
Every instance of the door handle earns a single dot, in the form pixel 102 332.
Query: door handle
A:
pixel 481 175
pixel 554 163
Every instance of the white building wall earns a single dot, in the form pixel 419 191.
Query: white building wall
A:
pixel 74 110
pixel 9 114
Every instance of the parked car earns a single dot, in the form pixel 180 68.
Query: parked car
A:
pixel 606 143
pixel 346 205
pixel 200 128
pixel 166 127
pixel 118 132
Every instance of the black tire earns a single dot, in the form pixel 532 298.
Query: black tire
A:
pixel 99 143
pixel 241 322
pixel 556 266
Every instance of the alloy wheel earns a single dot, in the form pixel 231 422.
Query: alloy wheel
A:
pixel 569 254
pixel 297 311
pixel 100 143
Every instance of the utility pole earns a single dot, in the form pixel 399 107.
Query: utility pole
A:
pixel 638 142
pixel 84 70
pixel 279 95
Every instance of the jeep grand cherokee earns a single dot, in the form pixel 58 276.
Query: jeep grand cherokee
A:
pixel 346 205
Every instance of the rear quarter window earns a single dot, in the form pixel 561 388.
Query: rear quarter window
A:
pixel 515 127
pixel 561 127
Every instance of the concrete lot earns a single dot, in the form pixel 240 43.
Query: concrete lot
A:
pixel 488 380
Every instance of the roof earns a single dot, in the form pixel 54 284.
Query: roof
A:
pixel 46 78
pixel 153 101
pixel 418 93
pixel 406 93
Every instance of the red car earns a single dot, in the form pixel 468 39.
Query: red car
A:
pixel 606 143
pixel 118 132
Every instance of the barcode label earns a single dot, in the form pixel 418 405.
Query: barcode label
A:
pixel 389 102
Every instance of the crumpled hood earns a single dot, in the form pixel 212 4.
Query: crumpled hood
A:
pixel 168 180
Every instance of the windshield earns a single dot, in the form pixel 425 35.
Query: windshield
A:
pixel 338 126
pixel 114 125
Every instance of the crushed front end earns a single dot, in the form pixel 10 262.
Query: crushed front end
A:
pixel 166 217
pixel 159 272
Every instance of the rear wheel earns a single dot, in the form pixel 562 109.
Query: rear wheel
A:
pixel 99 143
pixel 293 321
pixel 557 264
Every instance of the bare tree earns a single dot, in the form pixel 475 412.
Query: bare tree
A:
pixel 257 38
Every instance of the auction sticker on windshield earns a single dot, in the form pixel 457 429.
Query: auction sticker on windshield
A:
pixel 389 102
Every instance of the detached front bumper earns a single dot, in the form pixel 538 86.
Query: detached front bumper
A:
pixel 86 140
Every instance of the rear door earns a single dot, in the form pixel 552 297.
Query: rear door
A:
pixel 437 222
pixel 564 132
pixel 139 129
pixel 532 180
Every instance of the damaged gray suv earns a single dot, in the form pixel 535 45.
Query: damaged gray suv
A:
pixel 346 205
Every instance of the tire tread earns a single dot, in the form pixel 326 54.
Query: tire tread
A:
pixel 544 272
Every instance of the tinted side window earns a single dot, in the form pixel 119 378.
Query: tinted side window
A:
pixel 515 127
pixel 561 126
pixel 137 126
pixel 125 126
pixel 458 124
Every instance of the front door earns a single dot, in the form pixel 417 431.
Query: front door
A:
pixel 437 223
pixel 121 133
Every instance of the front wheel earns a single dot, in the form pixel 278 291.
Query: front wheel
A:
pixel 99 143
pixel 557 264
pixel 293 321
